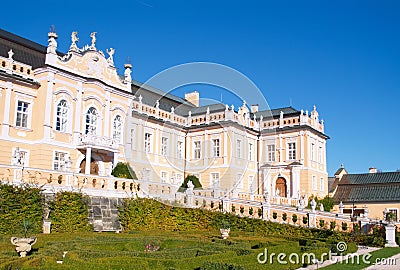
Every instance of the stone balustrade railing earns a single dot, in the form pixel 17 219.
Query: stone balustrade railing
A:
pixel 98 141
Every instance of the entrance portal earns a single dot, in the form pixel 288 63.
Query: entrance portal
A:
pixel 281 187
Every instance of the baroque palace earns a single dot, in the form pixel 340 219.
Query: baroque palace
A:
pixel 72 114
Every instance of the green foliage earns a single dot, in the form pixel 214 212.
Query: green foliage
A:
pixel 194 179
pixel 233 208
pixel 259 212
pixel 20 209
pixel 332 225
pixel 284 216
pixel 322 223
pixel 251 211
pixel 327 202
pixel 69 212
pixel 123 170
pixel 305 220
pixel 294 218
pixel 344 226
pixel 274 215
pixel 220 266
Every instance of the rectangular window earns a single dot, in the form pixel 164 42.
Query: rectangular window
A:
pixel 292 151
pixel 271 153
pixel 164 146
pixel 216 149
pixel 215 179
pixel 322 184
pixel 164 177
pixel 251 183
pixel 133 139
pixel 179 150
pixel 59 161
pixel 313 152
pixel 147 142
pixel 238 148
pixel 394 211
pixel 320 158
pixel 251 152
pixel 22 114
pixel 314 183
pixel 239 182
pixel 197 150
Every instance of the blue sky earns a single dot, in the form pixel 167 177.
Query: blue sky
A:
pixel 342 56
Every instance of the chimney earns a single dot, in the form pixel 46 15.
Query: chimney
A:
pixel 193 97
pixel 254 108
pixel 373 170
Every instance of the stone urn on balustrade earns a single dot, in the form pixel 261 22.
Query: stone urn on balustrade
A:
pixel 23 245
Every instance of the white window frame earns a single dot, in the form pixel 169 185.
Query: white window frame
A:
pixel 312 151
pixel 64 118
pixel 197 150
pixel 164 176
pixel 239 182
pixel 216 148
pixel 179 149
pixel 239 148
pixel 214 179
pixel 321 184
pixel 250 184
pixel 117 128
pixel 164 146
pixel 397 212
pixel 61 162
pixel 133 141
pixel 271 152
pixel 320 155
pixel 27 114
pixel 314 183
pixel 92 121
pixel 147 142
pixel 291 150
pixel 251 152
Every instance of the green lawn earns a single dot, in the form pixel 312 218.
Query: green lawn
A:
pixel 178 250
pixel 360 264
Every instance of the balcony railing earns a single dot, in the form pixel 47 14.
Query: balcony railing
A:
pixel 98 141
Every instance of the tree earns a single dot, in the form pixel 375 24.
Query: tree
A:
pixel 194 179
pixel 123 170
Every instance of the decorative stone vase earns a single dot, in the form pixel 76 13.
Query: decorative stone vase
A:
pixel 224 233
pixel 23 245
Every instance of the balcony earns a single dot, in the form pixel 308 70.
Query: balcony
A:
pixel 89 140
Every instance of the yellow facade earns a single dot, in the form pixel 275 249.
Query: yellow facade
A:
pixel 76 108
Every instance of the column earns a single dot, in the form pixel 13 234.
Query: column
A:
pixel 88 159
pixel 48 109
pixel 6 119
pixel 302 149
pixel 78 112
pixel 115 159
pixel 107 116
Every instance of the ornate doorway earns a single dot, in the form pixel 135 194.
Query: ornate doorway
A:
pixel 281 189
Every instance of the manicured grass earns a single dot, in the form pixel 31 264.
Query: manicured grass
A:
pixel 178 250
pixel 353 264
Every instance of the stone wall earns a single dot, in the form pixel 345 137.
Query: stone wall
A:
pixel 103 213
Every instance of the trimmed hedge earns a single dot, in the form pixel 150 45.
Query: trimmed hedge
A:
pixel 19 205
pixel 69 212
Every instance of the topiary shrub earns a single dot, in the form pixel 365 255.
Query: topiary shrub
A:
pixel 194 179
pixel 251 211
pixel 259 212
pixel 344 226
pixel 69 212
pixel 284 216
pixel 233 209
pixel 123 170
pixel 274 215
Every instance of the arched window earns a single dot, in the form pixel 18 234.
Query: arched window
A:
pixel 62 116
pixel 117 128
pixel 91 121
